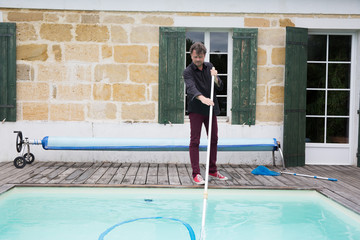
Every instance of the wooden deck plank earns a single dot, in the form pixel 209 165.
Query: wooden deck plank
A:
pixel 173 175
pixel 141 175
pixel 120 174
pixel 131 174
pixel 109 174
pixel 184 176
pixel 163 178
pixel 42 174
pixel 98 173
pixel 59 178
pixel 152 177
pixel 88 173
pixel 61 168
pixel 31 171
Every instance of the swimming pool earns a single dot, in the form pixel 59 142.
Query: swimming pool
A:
pixel 86 213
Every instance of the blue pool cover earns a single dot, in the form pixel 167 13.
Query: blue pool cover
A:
pixel 154 144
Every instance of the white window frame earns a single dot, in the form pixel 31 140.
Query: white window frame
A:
pixel 229 66
pixel 353 105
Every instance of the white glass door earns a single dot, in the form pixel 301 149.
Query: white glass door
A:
pixel 329 110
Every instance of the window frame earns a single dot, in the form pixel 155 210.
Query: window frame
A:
pixel 207 59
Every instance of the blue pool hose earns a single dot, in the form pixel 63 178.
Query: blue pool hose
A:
pixel 189 228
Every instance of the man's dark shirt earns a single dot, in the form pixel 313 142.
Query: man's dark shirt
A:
pixel 198 82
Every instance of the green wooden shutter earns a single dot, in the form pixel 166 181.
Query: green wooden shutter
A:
pixel 295 96
pixel 8 71
pixel 171 67
pixel 358 150
pixel 244 76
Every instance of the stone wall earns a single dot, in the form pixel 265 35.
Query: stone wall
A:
pixel 103 66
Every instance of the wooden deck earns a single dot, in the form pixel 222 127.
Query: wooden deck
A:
pixel 345 191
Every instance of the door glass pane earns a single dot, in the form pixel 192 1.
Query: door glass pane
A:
pixel 220 62
pixel 218 42
pixel 317 47
pixel 339 48
pixel 315 102
pixel 315 130
pixel 338 103
pixel 339 75
pixel 316 73
pixel 337 130
pixel 224 90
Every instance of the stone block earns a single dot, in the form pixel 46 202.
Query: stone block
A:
pixel 82 52
pixel 124 92
pixel 102 92
pixel 67 112
pixel 90 18
pixel 119 34
pixel 25 16
pixel 144 74
pixel 72 18
pixel 131 54
pixel 57 52
pixel 144 34
pixel 270 113
pixel 158 20
pixel 276 94
pixel 118 19
pixel 101 111
pixel 256 22
pixel 154 55
pixel 35 111
pixel 76 92
pixel 25 32
pixel 260 94
pixel 278 56
pixel 270 74
pixel 110 73
pixel 138 112
pixel 32 52
pixel 53 17
pixel 286 22
pixel 24 72
pixel 106 51
pixel 56 32
pixel 92 33
pixel 154 92
pixel 51 72
pixel 261 57
pixel 272 37
pixel 32 91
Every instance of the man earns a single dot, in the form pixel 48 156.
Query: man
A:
pixel 197 78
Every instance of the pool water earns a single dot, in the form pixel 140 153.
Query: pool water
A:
pixel 87 213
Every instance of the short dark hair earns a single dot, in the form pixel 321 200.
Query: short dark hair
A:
pixel 199 48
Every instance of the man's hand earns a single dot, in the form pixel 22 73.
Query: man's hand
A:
pixel 214 73
pixel 205 100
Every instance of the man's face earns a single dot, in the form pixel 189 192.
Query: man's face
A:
pixel 198 59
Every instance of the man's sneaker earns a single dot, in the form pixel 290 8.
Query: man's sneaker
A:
pixel 218 176
pixel 199 180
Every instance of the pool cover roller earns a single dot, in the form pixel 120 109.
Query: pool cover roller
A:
pixel 137 144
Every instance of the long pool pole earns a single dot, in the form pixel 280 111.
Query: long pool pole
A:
pixel 203 235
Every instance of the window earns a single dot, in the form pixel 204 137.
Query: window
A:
pixel 328 88
pixel 172 60
pixel 217 46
